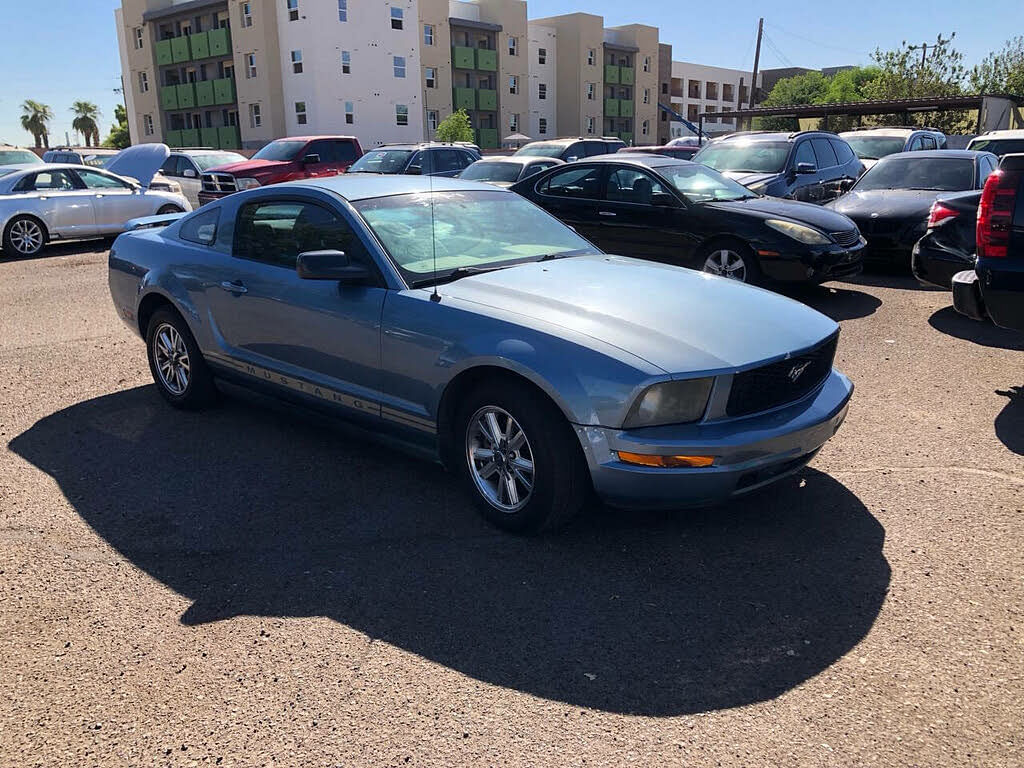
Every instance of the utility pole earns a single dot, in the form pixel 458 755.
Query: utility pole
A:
pixel 939 42
pixel 757 60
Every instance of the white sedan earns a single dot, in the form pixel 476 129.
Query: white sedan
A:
pixel 40 203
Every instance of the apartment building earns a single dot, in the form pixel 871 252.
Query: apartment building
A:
pixel 664 91
pixel 238 73
pixel 543 69
pixel 697 88
pixel 475 56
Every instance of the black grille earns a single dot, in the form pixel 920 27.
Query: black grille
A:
pixel 218 182
pixel 783 382
pixel 846 239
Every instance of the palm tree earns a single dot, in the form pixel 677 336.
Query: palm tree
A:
pixel 86 122
pixel 34 119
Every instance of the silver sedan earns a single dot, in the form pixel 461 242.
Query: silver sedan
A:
pixel 41 203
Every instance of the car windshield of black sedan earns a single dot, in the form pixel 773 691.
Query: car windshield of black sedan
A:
pixel 492 172
pixel 700 184
pixel 280 151
pixel 747 156
pixel 472 230
pixel 915 172
pixel 874 147
pixel 381 161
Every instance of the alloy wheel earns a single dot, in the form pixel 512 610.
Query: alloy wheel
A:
pixel 171 358
pixel 26 236
pixel 727 264
pixel 500 459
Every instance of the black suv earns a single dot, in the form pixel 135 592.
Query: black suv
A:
pixel 424 159
pixel 573 149
pixel 811 166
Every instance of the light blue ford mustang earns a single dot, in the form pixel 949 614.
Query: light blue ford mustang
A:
pixel 535 366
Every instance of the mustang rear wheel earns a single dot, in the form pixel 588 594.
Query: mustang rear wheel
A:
pixel 732 260
pixel 176 363
pixel 24 236
pixel 520 462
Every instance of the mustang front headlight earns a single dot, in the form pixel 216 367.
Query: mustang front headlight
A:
pixel 245 182
pixel 799 232
pixel 670 402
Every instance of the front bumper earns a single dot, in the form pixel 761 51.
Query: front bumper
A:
pixel 209 197
pixel 813 265
pixel 749 453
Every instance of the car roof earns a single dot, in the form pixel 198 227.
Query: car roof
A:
pixel 894 132
pixel 774 135
pixel 968 154
pixel 314 138
pixel 15 167
pixel 1009 133
pixel 635 158
pixel 519 159
pixel 363 186
pixel 423 145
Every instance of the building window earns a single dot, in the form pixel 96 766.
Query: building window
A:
pixel 397 16
pixel 542 126
pixel 513 122
pixel 147 125
pixel 399 64
pixel 139 40
pixel 432 119
pixel 342 10
pixel 645 127
pixel 647 95
pixel 513 84
pixel 430 75
pixel 542 91
pixel 513 46
pixel 250 66
pixel 246 9
pixel 590 125
pixel 346 63
pixel 143 82
pixel 300 112
pixel 542 55
pixel 293 10
pixel 590 91
pixel 591 57
pixel 255 116
pixel 349 113
pixel 664 88
pixel 647 63
pixel 428 34
pixel 401 114
pixel 297 62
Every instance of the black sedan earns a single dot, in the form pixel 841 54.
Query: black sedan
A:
pixel 687 214
pixel 891 201
pixel 948 244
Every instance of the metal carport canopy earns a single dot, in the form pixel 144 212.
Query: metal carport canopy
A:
pixel 877 107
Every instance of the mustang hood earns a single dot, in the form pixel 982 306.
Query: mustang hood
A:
pixel 140 162
pixel 777 208
pixel 677 319
pixel 747 178
pixel 886 203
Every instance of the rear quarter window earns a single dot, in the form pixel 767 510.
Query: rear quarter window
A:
pixel 843 151
pixel 201 228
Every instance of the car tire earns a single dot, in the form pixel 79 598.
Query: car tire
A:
pixel 545 468
pixel 24 236
pixel 169 209
pixel 179 371
pixel 732 259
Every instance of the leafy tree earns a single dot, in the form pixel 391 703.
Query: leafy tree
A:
pixel 1001 71
pixel 119 138
pixel 845 86
pixel 902 75
pixel 86 121
pixel 455 127
pixel 807 88
pixel 35 118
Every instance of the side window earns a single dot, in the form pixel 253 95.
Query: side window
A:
pixel 927 142
pixel 201 228
pixel 322 148
pixel 985 167
pixel 627 185
pixel 277 231
pixel 448 160
pixel 170 166
pixel 583 183
pixel 805 154
pixel 96 180
pixel 593 148
pixel 843 151
pixel 46 181
pixel 576 150
pixel 424 161
pixel 825 154
pixel 915 144
pixel 345 151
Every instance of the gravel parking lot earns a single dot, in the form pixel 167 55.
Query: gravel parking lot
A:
pixel 241 587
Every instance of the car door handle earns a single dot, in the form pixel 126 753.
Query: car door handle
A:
pixel 235 287
pixel 606 213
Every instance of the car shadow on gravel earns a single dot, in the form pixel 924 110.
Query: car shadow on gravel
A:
pixel 839 303
pixel 253 511
pixel 947 320
pixel 1010 421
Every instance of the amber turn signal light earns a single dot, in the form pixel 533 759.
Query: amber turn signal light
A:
pixel 665 462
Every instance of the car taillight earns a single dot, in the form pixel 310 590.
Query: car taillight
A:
pixel 995 214
pixel 939 213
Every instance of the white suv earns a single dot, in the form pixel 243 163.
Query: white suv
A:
pixel 186 166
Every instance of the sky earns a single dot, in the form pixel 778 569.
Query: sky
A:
pixel 59 51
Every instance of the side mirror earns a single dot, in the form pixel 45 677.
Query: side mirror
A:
pixel 571 159
pixel 845 185
pixel 414 170
pixel 311 158
pixel 189 173
pixel 330 265
pixel 802 168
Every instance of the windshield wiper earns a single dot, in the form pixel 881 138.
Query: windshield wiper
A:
pixel 563 254
pixel 458 272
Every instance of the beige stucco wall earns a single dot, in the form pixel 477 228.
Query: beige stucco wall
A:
pixel 511 15
pixel 265 89
pixel 141 60
pixel 438 56
pixel 577 33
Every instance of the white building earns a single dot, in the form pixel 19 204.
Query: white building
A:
pixel 542 67
pixel 698 88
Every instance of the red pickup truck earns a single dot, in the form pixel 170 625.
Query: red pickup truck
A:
pixel 296 157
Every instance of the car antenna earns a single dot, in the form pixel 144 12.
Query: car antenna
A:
pixel 435 296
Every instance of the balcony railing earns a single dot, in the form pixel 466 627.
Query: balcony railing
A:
pixel 464 98
pixel 202 45
pixel 487 138
pixel 627 75
pixel 463 58
pixel 611 107
pixel 625 107
pixel 486 60
pixel 487 99
pixel 611 73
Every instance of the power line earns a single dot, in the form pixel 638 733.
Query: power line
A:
pixel 778 53
pixel 812 41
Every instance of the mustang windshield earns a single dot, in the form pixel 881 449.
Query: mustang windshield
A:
pixel 746 156
pixel 472 229
pixel 910 172
pixel 702 184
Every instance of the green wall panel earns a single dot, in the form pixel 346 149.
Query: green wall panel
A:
pixel 487 60
pixel 223 91
pixel 204 93
pixel 487 99
pixel 186 96
pixel 463 58
pixel 179 49
pixel 164 56
pixel 220 42
pixel 169 97
pixel 464 98
pixel 611 73
pixel 200 45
